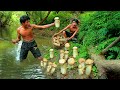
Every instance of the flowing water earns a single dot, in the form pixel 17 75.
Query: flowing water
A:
pixel 12 68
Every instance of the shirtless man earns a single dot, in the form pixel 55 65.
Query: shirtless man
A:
pixel 73 30
pixel 26 32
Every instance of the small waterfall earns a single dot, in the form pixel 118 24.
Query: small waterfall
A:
pixel 18 48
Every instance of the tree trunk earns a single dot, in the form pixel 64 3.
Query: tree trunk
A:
pixel 44 18
pixel 107 69
pixel 113 43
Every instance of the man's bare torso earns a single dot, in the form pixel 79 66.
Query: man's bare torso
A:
pixel 26 33
pixel 73 28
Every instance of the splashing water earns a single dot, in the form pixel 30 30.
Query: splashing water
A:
pixel 18 48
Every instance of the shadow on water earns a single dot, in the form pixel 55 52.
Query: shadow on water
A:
pixel 11 68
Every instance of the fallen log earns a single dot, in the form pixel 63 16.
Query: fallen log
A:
pixel 107 69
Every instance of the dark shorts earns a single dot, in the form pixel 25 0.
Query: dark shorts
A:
pixel 29 46
pixel 68 34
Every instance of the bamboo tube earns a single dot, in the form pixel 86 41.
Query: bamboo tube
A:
pixel 57 22
pixel 67 45
pixel 75 52
pixel 53 68
pixel 63 66
pixel 81 66
pixel 51 53
pixel 61 54
pixel 66 55
pixel 89 64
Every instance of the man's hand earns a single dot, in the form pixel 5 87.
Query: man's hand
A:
pixel 67 39
pixel 14 41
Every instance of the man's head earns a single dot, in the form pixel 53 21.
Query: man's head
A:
pixel 75 22
pixel 24 20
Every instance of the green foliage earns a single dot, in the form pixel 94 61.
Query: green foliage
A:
pixel 100 24
pixel 118 57
pixel 5 21
pixel 113 53
pixel 47 54
pixel 95 71
pixel 111 56
pixel 37 16
pixel 82 50
pixel 15 23
pixel 104 44
pixel 99 29
pixel 115 49
pixel 5 17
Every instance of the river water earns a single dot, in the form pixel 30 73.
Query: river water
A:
pixel 12 68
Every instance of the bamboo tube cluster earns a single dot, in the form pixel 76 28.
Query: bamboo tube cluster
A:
pixel 85 66
pixel 51 68
pixel 65 61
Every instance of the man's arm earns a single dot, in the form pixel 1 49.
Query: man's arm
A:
pixel 64 29
pixel 18 37
pixel 43 26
